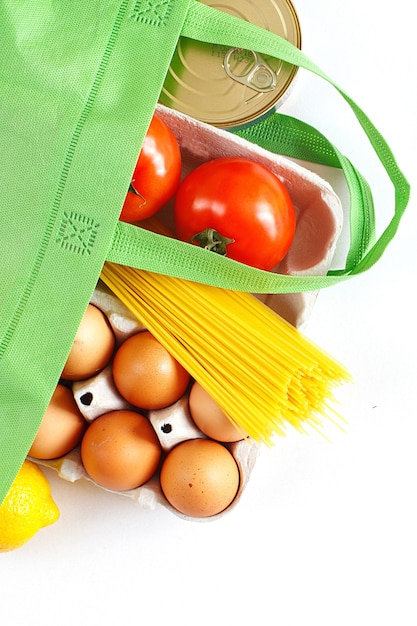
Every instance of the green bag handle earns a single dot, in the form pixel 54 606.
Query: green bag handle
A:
pixel 283 135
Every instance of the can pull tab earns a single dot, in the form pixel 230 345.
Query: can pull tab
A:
pixel 256 73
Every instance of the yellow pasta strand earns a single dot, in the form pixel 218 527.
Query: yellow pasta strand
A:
pixel 261 370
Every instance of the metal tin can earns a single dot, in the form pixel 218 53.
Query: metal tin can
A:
pixel 232 87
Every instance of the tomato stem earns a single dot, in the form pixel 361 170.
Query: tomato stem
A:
pixel 133 190
pixel 211 239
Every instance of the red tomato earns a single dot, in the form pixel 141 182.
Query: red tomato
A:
pixel 238 208
pixel 156 175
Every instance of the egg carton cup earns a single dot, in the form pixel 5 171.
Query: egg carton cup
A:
pixel 319 224
pixel 150 496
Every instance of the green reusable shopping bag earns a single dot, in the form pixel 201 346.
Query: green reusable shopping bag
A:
pixel 79 82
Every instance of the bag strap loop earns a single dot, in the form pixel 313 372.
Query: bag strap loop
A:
pixel 211 25
pixel 284 135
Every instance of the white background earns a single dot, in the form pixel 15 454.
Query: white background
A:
pixel 325 533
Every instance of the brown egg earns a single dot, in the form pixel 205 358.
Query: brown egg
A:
pixel 92 348
pixel 210 418
pixel 146 374
pixel 200 477
pixel 62 426
pixel 120 450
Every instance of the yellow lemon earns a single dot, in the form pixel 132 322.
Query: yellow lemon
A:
pixel 27 507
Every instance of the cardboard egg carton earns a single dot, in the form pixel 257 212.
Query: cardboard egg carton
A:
pixel 319 224
pixel 98 395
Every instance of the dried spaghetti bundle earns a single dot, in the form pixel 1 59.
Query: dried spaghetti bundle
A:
pixel 262 371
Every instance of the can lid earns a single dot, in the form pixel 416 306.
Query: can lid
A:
pixel 232 87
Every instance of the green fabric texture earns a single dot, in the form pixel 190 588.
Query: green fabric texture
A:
pixel 79 82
